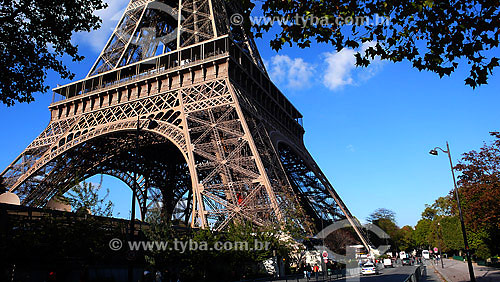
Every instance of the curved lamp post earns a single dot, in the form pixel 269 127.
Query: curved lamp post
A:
pixel 434 152
pixel 440 237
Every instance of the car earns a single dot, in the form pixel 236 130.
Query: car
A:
pixel 368 269
pixel 388 262
pixel 406 261
pixel 425 254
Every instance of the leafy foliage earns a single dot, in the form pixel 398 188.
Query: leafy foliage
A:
pixel 441 207
pixel 400 238
pixel 480 194
pixel 435 36
pixel 450 233
pixel 34 36
pixel 406 238
pixel 422 233
pixel 480 185
pixel 209 264
pixel 85 197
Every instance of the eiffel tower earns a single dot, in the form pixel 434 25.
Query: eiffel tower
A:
pixel 226 144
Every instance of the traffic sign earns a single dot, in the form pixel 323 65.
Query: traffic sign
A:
pixel 325 254
pixel 436 250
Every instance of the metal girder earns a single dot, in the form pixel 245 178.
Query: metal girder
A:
pixel 148 25
pixel 228 145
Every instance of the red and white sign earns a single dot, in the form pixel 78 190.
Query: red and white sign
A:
pixel 325 254
pixel 436 250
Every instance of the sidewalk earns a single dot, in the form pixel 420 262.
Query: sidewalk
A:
pixel 457 271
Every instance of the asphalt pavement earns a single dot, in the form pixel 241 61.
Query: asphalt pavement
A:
pixel 396 274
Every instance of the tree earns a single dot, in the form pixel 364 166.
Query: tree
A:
pixel 85 197
pixel 422 233
pixel 386 220
pixel 450 232
pixel 435 36
pixel 406 238
pixel 34 37
pixel 479 188
pixel 389 227
pixel 223 265
pixel 441 207
pixel 338 240
pixel 480 185
pixel 382 213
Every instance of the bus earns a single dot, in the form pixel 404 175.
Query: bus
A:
pixel 425 254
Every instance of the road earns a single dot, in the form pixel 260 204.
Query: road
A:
pixel 397 274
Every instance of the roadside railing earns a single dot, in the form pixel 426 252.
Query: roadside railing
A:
pixel 330 275
pixel 417 275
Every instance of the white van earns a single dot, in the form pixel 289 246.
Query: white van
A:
pixel 425 254
pixel 388 263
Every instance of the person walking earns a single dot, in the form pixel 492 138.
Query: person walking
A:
pixel 316 271
pixel 303 268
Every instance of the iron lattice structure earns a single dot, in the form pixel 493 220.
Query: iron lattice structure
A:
pixel 228 145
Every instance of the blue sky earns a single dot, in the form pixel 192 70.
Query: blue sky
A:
pixel 370 130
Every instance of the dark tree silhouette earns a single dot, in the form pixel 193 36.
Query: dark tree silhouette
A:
pixel 381 213
pixel 435 36
pixel 34 36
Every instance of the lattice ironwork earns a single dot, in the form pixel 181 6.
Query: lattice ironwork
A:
pixel 228 146
pixel 150 28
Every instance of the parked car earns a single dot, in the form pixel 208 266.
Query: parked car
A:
pixel 369 268
pixel 406 261
pixel 388 263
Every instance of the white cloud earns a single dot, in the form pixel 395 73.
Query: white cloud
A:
pixel 293 73
pixel 351 148
pixel 97 39
pixel 341 68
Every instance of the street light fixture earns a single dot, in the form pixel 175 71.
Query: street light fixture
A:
pixel 151 124
pixel 434 152
pixel 440 237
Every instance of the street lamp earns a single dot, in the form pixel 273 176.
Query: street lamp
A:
pixel 151 124
pixel 440 237
pixel 434 152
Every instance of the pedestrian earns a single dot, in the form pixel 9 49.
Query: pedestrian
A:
pixel 158 276
pixel 304 270
pixel 316 271
pixel 308 271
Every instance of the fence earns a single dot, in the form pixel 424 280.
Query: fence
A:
pixel 417 275
pixel 330 275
